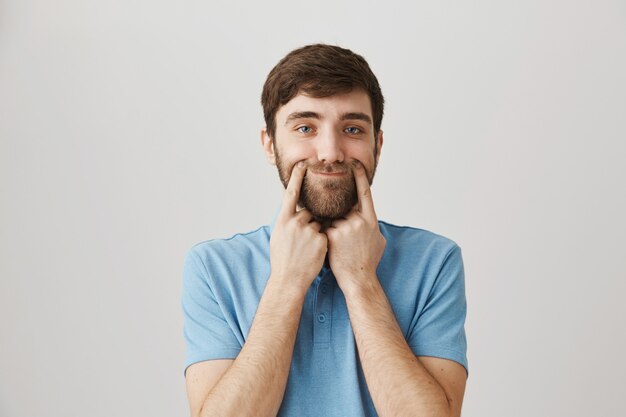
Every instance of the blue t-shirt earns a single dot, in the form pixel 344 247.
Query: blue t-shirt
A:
pixel 421 273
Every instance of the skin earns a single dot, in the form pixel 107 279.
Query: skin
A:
pixel 331 136
pixel 253 384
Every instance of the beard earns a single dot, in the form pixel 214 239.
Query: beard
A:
pixel 326 198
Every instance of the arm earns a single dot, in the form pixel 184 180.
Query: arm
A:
pixel 254 383
pixel 400 384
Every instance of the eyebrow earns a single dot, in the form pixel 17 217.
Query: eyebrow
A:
pixel 312 115
pixel 302 115
pixel 356 116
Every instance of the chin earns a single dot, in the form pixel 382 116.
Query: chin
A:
pixel 329 203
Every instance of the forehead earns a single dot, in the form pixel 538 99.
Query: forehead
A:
pixel 356 101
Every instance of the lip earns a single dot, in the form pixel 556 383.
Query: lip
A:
pixel 329 174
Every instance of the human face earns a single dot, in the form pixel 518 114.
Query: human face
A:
pixel 330 135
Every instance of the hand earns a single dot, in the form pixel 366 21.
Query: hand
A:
pixel 297 248
pixel 355 244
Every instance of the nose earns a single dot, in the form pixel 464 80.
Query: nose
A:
pixel 329 147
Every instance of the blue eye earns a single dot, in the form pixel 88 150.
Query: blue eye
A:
pixel 353 130
pixel 304 129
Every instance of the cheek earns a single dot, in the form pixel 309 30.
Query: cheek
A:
pixel 363 153
pixel 297 152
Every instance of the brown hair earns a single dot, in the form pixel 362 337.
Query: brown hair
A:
pixel 319 71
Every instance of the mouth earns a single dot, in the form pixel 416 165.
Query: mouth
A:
pixel 329 174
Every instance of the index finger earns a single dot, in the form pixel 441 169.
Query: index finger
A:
pixel 363 190
pixel 292 192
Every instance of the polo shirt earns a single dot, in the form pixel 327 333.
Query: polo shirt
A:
pixel 421 273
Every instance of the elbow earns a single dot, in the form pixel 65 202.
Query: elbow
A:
pixel 451 408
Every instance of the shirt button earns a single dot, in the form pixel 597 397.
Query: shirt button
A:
pixel 321 317
pixel 324 288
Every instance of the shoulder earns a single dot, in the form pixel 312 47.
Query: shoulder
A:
pixel 413 239
pixel 419 254
pixel 219 256
pixel 255 241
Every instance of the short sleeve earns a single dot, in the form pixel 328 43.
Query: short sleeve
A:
pixel 440 328
pixel 207 334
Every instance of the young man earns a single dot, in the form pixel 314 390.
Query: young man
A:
pixel 328 311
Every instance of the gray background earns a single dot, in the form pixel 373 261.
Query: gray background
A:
pixel 130 131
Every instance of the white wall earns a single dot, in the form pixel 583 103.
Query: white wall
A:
pixel 129 131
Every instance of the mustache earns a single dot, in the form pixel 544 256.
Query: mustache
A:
pixel 333 168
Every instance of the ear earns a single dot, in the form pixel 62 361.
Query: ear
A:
pixel 268 146
pixel 379 144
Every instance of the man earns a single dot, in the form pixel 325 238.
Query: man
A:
pixel 328 311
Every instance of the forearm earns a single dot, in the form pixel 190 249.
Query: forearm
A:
pixel 397 381
pixel 255 383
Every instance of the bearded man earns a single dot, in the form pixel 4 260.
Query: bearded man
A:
pixel 327 311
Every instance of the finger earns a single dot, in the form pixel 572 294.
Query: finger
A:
pixel 317 226
pixel 345 219
pixel 366 203
pixel 337 223
pixel 292 192
pixel 304 215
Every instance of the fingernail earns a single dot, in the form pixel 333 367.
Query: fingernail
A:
pixel 300 164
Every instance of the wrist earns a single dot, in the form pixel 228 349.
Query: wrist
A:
pixel 289 285
pixel 361 286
